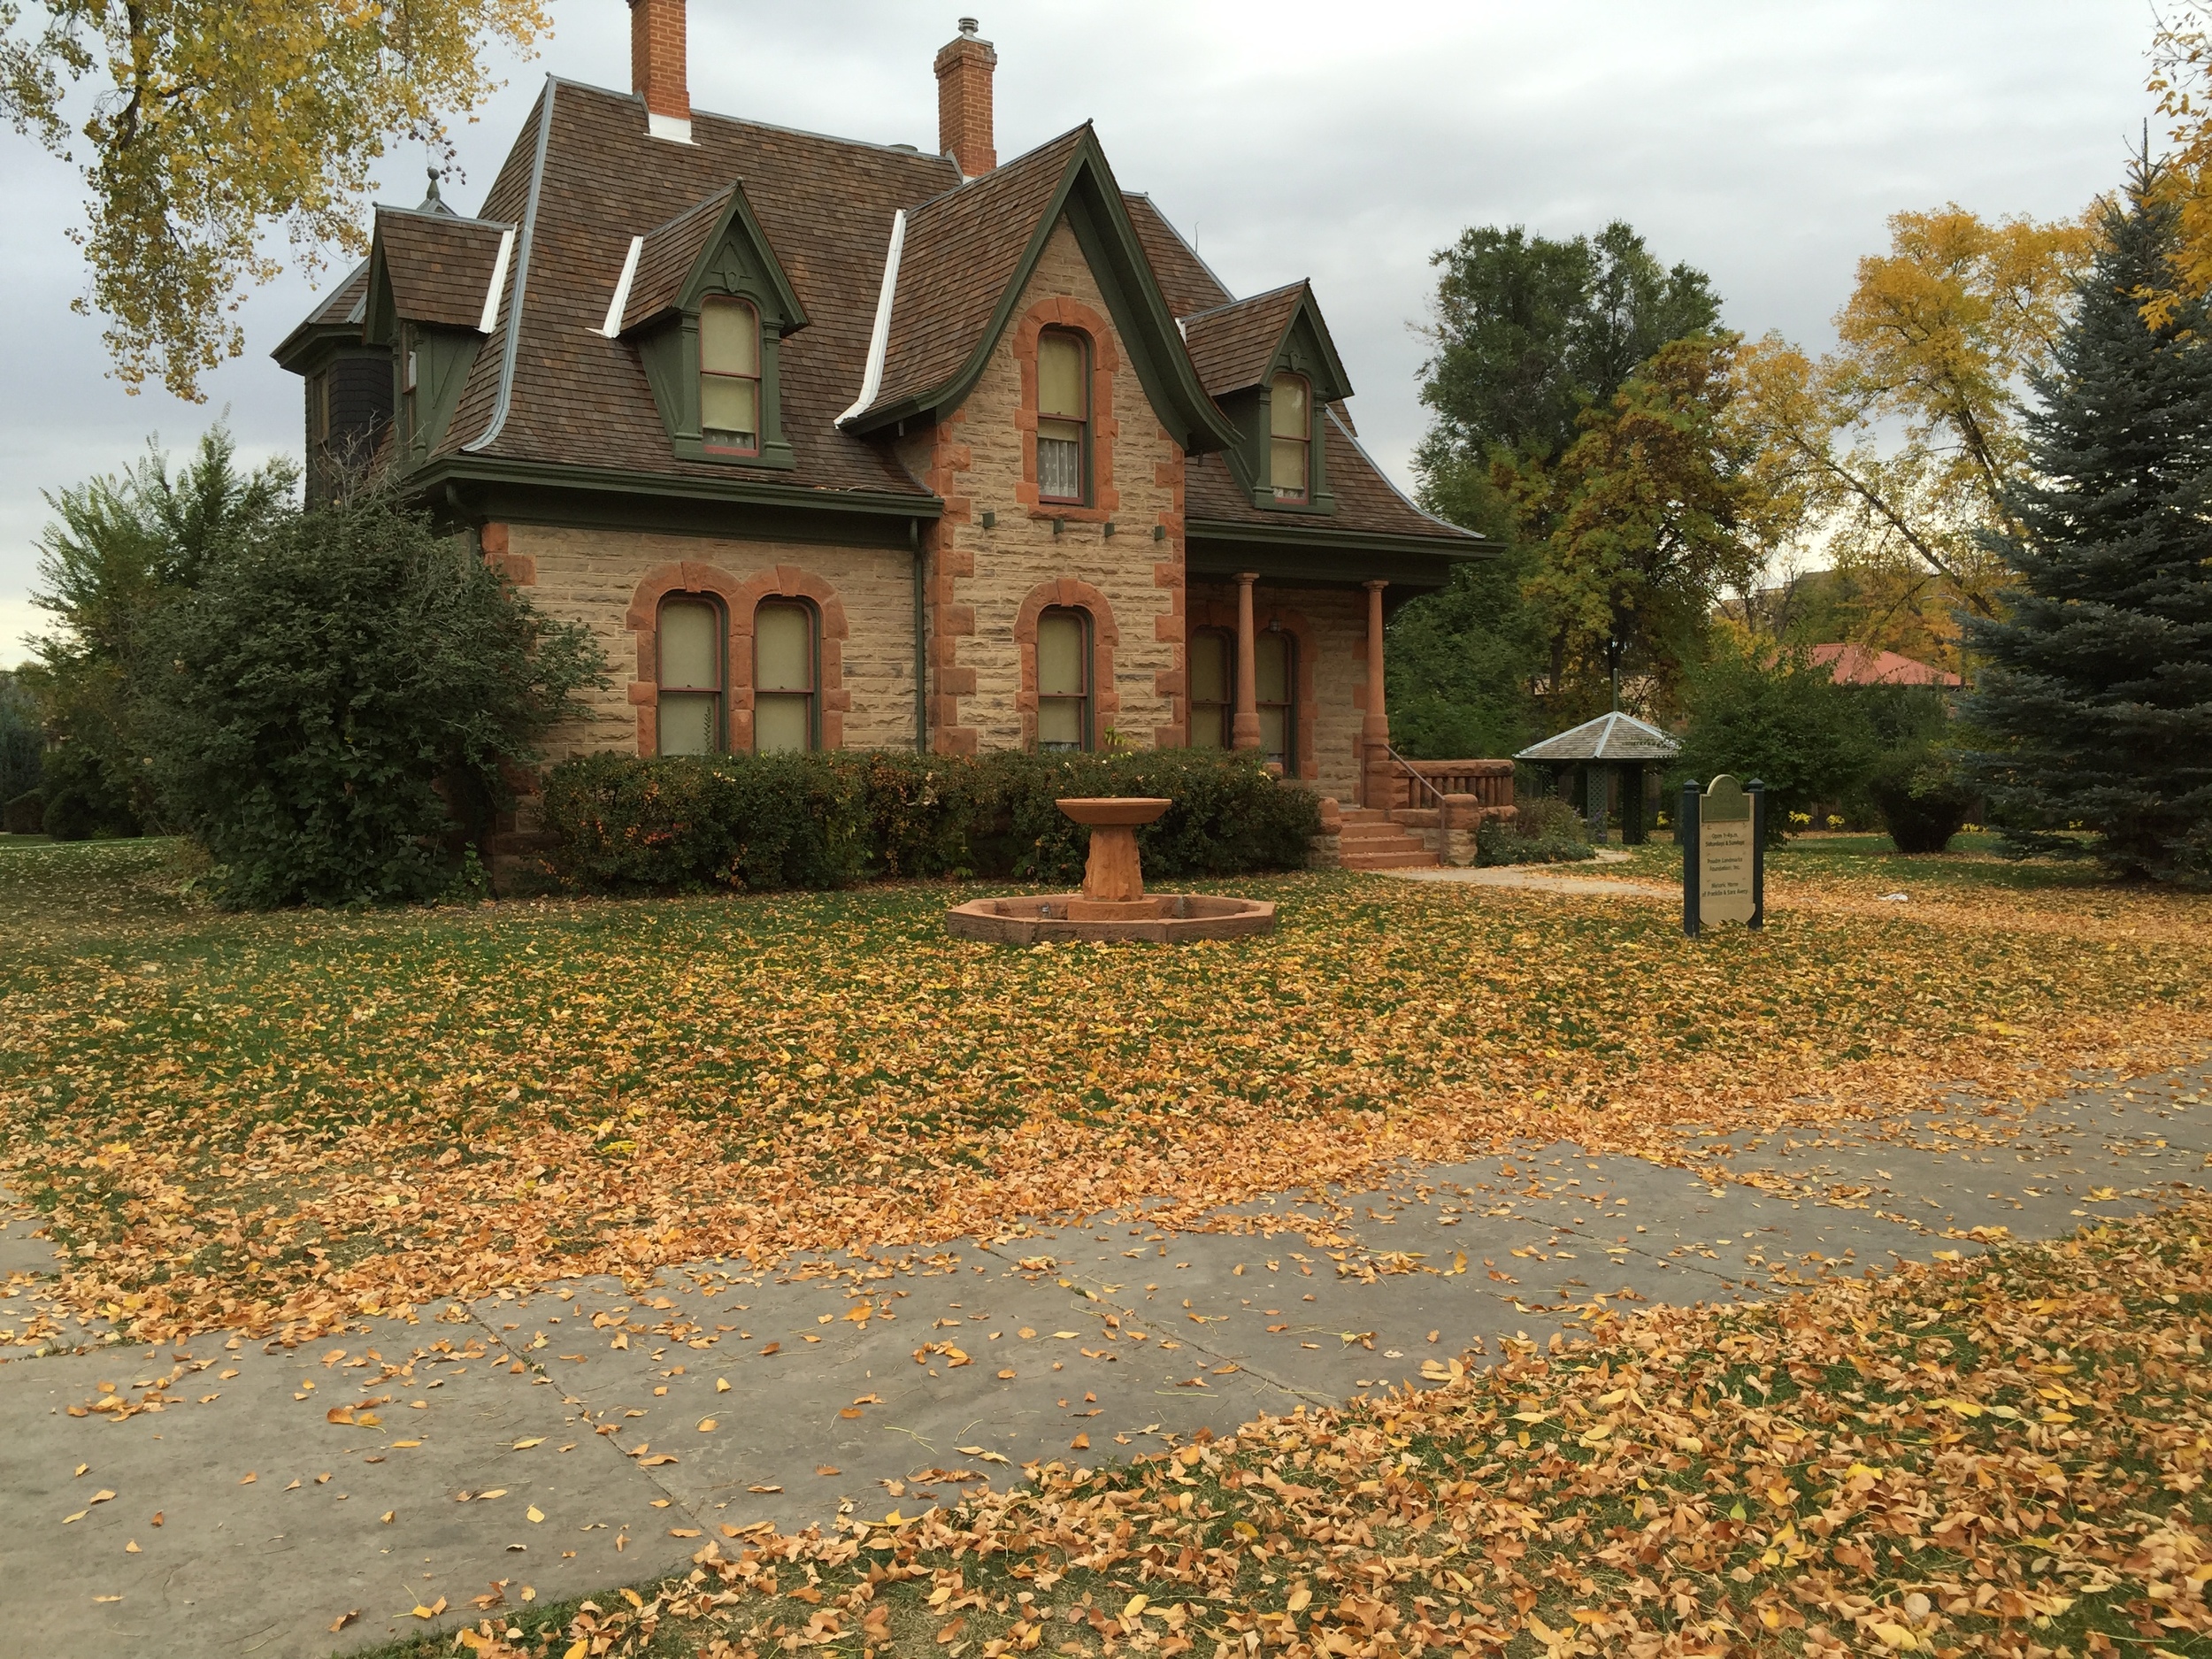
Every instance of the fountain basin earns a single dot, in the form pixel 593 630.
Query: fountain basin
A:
pixel 1161 919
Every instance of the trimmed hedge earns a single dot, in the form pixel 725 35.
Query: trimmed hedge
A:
pixel 829 820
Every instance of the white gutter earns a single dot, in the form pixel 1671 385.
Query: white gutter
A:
pixel 612 327
pixel 489 320
pixel 879 339
pixel 513 345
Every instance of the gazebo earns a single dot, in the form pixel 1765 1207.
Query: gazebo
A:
pixel 1613 746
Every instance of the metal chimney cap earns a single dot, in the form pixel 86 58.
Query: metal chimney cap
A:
pixel 968 27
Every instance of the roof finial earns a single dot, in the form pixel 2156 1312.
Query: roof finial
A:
pixel 435 173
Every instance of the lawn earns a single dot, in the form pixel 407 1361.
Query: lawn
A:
pixel 2001 1455
pixel 291 1120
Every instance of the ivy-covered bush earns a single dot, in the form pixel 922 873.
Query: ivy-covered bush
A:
pixel 765 821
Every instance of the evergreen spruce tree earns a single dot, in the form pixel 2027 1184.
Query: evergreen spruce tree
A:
pixel 2096 693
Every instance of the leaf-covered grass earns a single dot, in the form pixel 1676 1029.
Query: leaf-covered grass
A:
pixel 2001 1455
pixel 302 1117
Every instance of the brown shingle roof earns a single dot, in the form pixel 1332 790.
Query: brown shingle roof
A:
pixel 1367 503
pixel 961 253
pixel 669 257
pixel 1184 282
pixel 439 266
pixel 824 205
pixel 1231 346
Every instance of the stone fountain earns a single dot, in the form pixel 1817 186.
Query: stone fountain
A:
pixel 1113 903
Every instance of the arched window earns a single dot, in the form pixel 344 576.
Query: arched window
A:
pixel 1063 416
pixel 690 658
pixel 1275 671
pixel 729 377
pixel 1213 688
pixel 1290 437
pixel 784 658
pixel 1064 680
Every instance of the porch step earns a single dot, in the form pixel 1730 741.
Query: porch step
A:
pixel 1418 858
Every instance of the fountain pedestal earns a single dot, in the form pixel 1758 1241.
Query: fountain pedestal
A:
pixel 1113 903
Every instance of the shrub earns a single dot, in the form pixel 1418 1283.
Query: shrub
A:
pixel 86 796
pixel 1545 831
pixel 25 815
pixel 1923 804
pixel 336 692
pixel 763 821
pixel 21 741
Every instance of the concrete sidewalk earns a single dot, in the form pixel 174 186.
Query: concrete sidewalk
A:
pixel 549 1444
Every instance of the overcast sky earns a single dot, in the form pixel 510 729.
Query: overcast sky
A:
pixel 1764 142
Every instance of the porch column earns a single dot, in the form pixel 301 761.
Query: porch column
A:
pixel 1244 728
pixel 1374 731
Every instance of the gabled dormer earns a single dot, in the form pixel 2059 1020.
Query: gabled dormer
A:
pixel 1270 364
pixel 436 285
pixel 708 305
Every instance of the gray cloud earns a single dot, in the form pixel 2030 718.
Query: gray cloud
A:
pixel 1765 143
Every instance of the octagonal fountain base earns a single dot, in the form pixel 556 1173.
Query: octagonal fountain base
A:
pixel 1113 903
pixel 1161 919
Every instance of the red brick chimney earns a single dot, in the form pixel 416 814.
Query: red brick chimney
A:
pixel 657 68
pixel 964 100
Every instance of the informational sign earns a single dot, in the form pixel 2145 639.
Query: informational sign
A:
pixel 1724 853
pixel 1723 830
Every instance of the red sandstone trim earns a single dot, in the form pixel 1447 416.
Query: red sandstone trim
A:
pixel 1060 311
pixel 739 599
pixel 1079 595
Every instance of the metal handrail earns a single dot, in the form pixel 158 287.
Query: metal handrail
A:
pixel 1443 802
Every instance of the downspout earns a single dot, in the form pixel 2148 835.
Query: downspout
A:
pixel 522 279
pixel 921 644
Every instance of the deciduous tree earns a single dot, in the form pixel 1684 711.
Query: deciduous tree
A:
pixel 217 121
pixel 1903 441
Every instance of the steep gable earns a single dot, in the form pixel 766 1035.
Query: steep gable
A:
pixel 968 256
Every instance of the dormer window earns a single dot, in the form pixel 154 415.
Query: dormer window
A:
pixel 1290 437
pixel 729 376
pixel 1063 416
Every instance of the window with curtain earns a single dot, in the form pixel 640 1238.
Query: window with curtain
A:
pixel 1213 688
pixel 1064 680
pixel 1064 414
pixel 689 650
pixel 1274 665
pixel 729 376
pixel 1290 436
pixel 783 678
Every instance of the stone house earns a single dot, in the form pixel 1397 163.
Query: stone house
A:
pixel 835 443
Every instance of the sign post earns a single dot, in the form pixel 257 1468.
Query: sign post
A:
pixel 1723 854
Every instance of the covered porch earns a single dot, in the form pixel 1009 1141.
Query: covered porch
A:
pixel 1285 653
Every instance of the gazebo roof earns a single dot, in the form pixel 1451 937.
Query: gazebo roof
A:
pixel 1615 736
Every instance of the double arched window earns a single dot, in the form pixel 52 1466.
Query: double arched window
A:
pixel 1063 416
pixel 693 668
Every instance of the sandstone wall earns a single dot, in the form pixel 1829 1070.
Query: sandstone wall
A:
pixel 594 577
pixel 986 583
